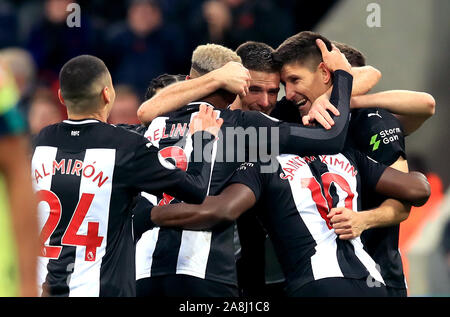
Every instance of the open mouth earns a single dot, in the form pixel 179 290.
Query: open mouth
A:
pixel 301 102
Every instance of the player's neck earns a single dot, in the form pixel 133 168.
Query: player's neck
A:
pixel 216 100
pixel 96 116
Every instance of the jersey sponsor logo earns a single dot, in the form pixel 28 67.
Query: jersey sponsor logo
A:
pixel 75 133
pixel 386 136
pixel 71 167
pixel 374 142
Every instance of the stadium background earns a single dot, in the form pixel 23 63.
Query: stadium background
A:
pixel 410 47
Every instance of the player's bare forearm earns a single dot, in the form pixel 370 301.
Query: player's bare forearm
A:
pixel 364 79
pixel 228 206
pixel 412 108
pixel 349 224
pixel 176 96
pixel 188 216
pixel 390 212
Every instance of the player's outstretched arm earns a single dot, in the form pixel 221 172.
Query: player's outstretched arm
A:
pixel 234 200
pixel 412 108
pixel 232 77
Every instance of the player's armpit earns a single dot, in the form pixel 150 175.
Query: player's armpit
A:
pixel 412 187
pixel 228 206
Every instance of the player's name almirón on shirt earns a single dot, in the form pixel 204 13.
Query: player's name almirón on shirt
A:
pixel 70 167
pixel 296 162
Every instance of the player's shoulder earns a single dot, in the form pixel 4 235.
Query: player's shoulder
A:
pixel 372 118
pixel 135 128
pixel 48 132
pixel 126 135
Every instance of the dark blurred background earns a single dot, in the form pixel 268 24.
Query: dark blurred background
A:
pixel 141 39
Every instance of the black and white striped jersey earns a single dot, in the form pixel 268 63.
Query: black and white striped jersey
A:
pixel 210 254
pixel 298 197
pixel 87 174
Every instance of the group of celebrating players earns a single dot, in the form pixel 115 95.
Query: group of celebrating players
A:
pixel 154 209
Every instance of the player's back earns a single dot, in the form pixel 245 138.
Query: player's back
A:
pixel 81 170
pixel 204 254
pixel 297 199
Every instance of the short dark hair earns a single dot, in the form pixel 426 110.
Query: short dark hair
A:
pixel 257 56
pixel 354 57
pixel 301 48
pixel 162 81
pixel 78 75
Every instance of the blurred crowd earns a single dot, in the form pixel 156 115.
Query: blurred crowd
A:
pixel 138 40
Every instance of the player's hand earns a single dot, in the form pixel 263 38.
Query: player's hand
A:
pixel 234 77
pixel 347 224
pixel 333 60
pixel 206 120
pixel 319 112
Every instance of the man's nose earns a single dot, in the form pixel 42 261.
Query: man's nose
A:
pixel 264 100
pixel 290 93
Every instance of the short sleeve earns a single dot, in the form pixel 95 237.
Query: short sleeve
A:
pixel 377 133
pixel 249 175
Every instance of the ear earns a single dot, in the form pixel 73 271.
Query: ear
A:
pixel 60 97
pixel 324 73
pixel 105 95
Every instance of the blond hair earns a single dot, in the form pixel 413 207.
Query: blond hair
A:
pixel 209 57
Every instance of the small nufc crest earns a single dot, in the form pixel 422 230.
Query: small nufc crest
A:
pixel 75 133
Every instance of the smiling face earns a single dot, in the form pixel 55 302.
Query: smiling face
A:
pixel 263 91
pixel 303 85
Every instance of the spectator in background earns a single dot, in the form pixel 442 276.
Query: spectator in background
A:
pixel 8 25
pixel 23 69
pixel 125 107
pixel 232 22
pixel 145 46
pixel 45 110
pixel 52 42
